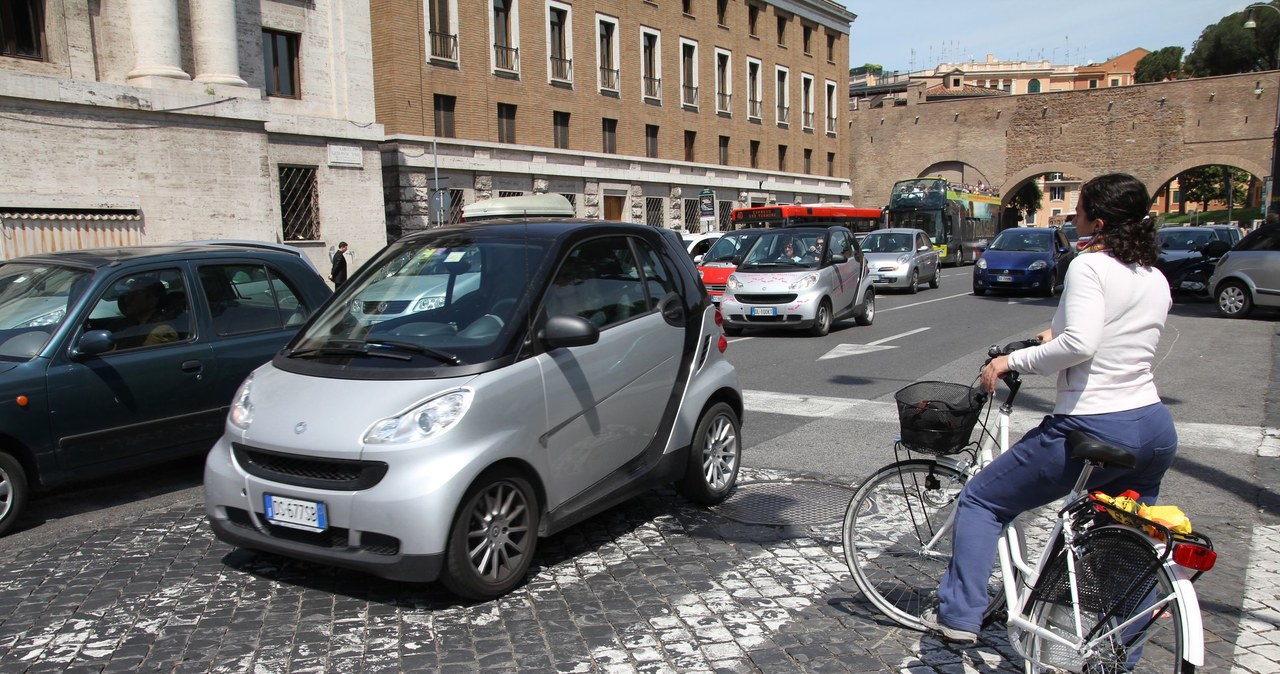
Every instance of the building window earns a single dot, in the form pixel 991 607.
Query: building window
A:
pixel 299 203
pixel 560 38
pixel 22 28
pixel 782 31
pixel 722 8
pixel 753 20
pixel 755 90
pixel 609 135
pixel 1093 84
pixel 1115 82
pixel 955 82
pixel 690 143
pixel 831 164
pixel 506 123
pixel 688 73
pixel 831 48
pixel 782 95
pixel 651 141
pixel 1057 193
pixel 653 208
pixel 687 6
pixel 560 126
pixel 1033 87
pixel 607 52
pixel 503 194
pixel 443 107
pixel 808 160
pixel 832 106
pixel 692 215
pixel 1007 86
pixel 280 58
pixel 455 206
pixel 724 150
pixel 782 157
pixel 724 82
pixel 724 213
pixel 506 36
pixel 755 154
pixel 806 101
pixel 806 35
pixel 443 29
pixel 651 64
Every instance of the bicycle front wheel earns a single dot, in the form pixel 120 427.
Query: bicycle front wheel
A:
pixel 897 537
pixel 1117 571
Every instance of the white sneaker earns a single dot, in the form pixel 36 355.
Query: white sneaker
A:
pixel 931 623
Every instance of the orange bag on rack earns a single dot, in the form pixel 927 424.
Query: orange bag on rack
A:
pixel 1170 516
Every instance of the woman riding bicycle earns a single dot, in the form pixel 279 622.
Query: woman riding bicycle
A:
pixel 1101 345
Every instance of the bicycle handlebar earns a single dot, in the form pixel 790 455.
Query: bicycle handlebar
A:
pixel 995 351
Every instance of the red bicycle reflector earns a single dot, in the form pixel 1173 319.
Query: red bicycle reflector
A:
pixel 1195 557
pixel 722 344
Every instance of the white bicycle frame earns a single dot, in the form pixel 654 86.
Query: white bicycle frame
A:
pixel 1017 588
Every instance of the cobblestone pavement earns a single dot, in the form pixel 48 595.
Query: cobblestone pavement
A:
pixel 655 585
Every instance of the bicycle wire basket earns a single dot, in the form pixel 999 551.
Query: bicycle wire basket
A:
pixel 936 417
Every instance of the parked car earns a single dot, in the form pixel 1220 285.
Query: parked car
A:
pixel 1229 233
pixel 825 282
pixel 899 258
pixel 723 258
pixel 118 358
pixel 1178 244
pixel 1024 258
pixel 699 244
pixel 1249 275
pixel 584 367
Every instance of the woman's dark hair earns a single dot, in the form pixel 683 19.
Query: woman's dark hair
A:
pixel 1121 201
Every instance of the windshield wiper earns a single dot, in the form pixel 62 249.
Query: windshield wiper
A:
pixel 445 356
pixel 374 349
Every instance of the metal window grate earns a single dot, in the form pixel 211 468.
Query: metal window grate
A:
pixel 726 207
pixel 299 203
pixel 653 208
pixel 444 46
pixel 510 194
pixel 455 206
pixel 692 216
pixel 573 200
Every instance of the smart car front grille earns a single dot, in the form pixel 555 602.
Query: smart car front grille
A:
pixel 335 474
pixel 769 298
pixel 391 307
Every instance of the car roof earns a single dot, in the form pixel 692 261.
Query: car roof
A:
pixel 542 228
pixel 896 230
pixel 102 257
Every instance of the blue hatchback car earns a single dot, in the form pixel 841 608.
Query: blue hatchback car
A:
pixel 1028 259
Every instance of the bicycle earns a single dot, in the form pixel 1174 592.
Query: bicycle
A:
pixel 1110 591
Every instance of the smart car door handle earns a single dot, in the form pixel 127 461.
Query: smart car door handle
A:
pixel 192 366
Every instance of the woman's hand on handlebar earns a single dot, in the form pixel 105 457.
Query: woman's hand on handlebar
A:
pixel 993 371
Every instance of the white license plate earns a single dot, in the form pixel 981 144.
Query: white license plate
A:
pixel 1005 279
pixel 763 311
pixel 292 512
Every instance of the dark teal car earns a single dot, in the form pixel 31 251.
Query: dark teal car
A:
pixel 113 359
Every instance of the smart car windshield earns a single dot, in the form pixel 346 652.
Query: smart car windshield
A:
pixel 34 300
pixel 786 248
pixel 1023 240
pixel 450 299
pixel 883 242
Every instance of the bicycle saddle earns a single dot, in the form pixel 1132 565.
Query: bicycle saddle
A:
pixel 1084 446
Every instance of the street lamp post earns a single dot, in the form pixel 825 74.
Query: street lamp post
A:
pixel 1273 205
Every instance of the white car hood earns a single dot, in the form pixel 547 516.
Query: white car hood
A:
pixel 770 282
pixel 404 288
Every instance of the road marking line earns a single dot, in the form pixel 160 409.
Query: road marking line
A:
pixel 1252 440
pixel 842 350
pixel 890 339
pixel 916 304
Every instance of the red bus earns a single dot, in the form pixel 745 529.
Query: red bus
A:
pixel 858 220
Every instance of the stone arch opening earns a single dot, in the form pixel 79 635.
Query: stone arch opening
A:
pixel 1199 187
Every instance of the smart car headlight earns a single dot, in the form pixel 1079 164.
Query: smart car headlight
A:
pixel 733 283
pixel 1038 264
pixel 981 263
pixel 51 318
pixel 808 281
pixel 241 414
pixel 428 419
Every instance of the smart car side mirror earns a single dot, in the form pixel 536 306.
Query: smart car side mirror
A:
pixel 568 331
pixel 837 258
pixel 92 343
pixel 697 259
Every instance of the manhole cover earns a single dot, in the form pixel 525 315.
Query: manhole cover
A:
pixel 786 503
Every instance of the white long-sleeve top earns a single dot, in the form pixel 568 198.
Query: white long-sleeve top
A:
pixel 1105 334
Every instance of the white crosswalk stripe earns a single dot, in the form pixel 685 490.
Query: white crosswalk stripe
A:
pixel 1253 440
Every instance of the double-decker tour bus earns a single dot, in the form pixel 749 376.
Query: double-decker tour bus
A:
pixel 858 220
pixel 723 258
pixel 958 222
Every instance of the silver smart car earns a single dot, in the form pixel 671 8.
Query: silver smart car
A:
pixel 803 278
pixel 901 258
pixel 579 364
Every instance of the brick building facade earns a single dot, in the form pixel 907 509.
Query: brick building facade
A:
pixel 158 120
pixel 629 107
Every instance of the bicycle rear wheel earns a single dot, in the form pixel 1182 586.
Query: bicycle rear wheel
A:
pixel 897 537
pixel 1116 568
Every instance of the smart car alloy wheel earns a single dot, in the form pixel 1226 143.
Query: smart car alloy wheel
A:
pixel 493 536
pixel 714 457
pixel 822 320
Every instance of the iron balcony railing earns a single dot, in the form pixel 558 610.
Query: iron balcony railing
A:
pixel 724 102
pixel 561 69
pixel 506 58
pixel 784 114
pixel 609 78
pixel 755 108
pixel 689 95
pixel 653 87
pixel 831 124
pixel 444 46
pixel 807 119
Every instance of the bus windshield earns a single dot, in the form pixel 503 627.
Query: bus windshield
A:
pixel 929 221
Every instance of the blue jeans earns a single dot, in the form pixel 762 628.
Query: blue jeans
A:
pixel 1036 471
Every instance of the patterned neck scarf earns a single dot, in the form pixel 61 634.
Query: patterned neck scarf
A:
pixel 1096 244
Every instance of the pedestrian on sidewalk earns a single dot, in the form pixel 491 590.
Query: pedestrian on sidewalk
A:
pixel 338 274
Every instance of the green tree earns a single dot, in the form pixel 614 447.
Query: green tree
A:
pixel 1227 47
pixel 868 69
pixel 1023 203
pixel 1160 65
pixel 1203 184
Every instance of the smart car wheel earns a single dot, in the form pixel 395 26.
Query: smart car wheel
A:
pixel 867 312
pixel 933 282
pixel 822 319
pixel 1234 300
pixel 13 491
pixel 714 457
pixel 493 536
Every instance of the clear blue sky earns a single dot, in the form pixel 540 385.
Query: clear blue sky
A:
pixel 1077 32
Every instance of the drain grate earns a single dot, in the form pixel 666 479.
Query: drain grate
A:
pixel 800 502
